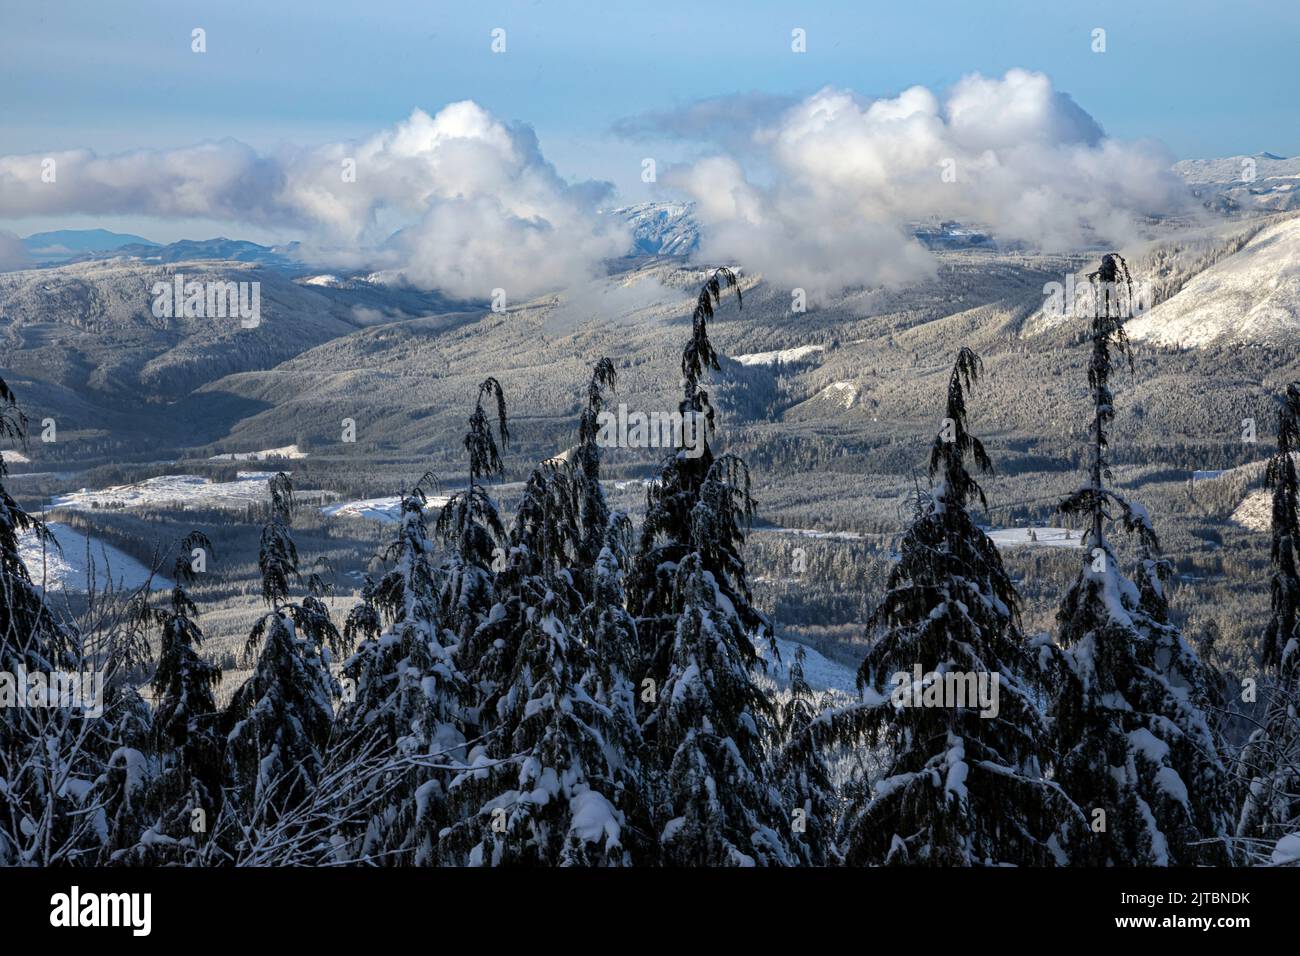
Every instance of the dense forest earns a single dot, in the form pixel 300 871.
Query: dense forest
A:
pixel 564 686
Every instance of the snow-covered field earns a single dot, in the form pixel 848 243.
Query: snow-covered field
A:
pixel 69 566
pixel 287 451
pixel 173 490
pixel 1041 537
pixel 383 510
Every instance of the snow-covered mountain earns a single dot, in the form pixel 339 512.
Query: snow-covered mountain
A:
pixel 1252 295
pixel 1263 182
pixel 661 228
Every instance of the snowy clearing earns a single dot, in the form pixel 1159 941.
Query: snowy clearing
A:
pixel 173 490
pixel 1035 537
pixel 69 567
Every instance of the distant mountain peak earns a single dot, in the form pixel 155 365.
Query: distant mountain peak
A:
pixel 61 245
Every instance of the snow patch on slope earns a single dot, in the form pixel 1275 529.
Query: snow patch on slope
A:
pixel 820 671
pixel 68 567
pixel 784 356
pixel 286 451
pixel 384 510
pixel 1255 513
pixel 844 394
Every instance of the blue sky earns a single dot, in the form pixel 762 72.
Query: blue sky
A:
pixel 1204 78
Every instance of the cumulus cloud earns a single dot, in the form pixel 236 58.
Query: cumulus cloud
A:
pixel 845 178
pixel 479 205
pixel 822 193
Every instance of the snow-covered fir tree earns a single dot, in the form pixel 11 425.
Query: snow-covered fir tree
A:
pixel 963 779
pixel 547 788
pixel 1281 646
pixel 408 693
pixel 707 722
pixel 675 506
pixel 185 735
pixel 1134 747
pixel 539 562
pixel 608 634
pixel 1270 760
pixel 470 524
pixel 280 720
pixel 802 772
pixel 594 514
pixel 557 781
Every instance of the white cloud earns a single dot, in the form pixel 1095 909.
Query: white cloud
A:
pixel 479 205
pixel 844 179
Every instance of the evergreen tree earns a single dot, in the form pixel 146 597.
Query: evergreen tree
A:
pixel 963 779
pixel 594 514
pixel 558 778
pixel 608 634
pixel 802 771
pixel 408 693
pixel 547 788
pixel 677 509
pixel 279 721
pixel 539 567
pixel 184 727
pixel 1270 760
pixel 708 723
pixel 1281 649
pixel 471 525
pixel 1135 749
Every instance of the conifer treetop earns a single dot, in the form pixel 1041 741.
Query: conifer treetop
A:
pixel 949 451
